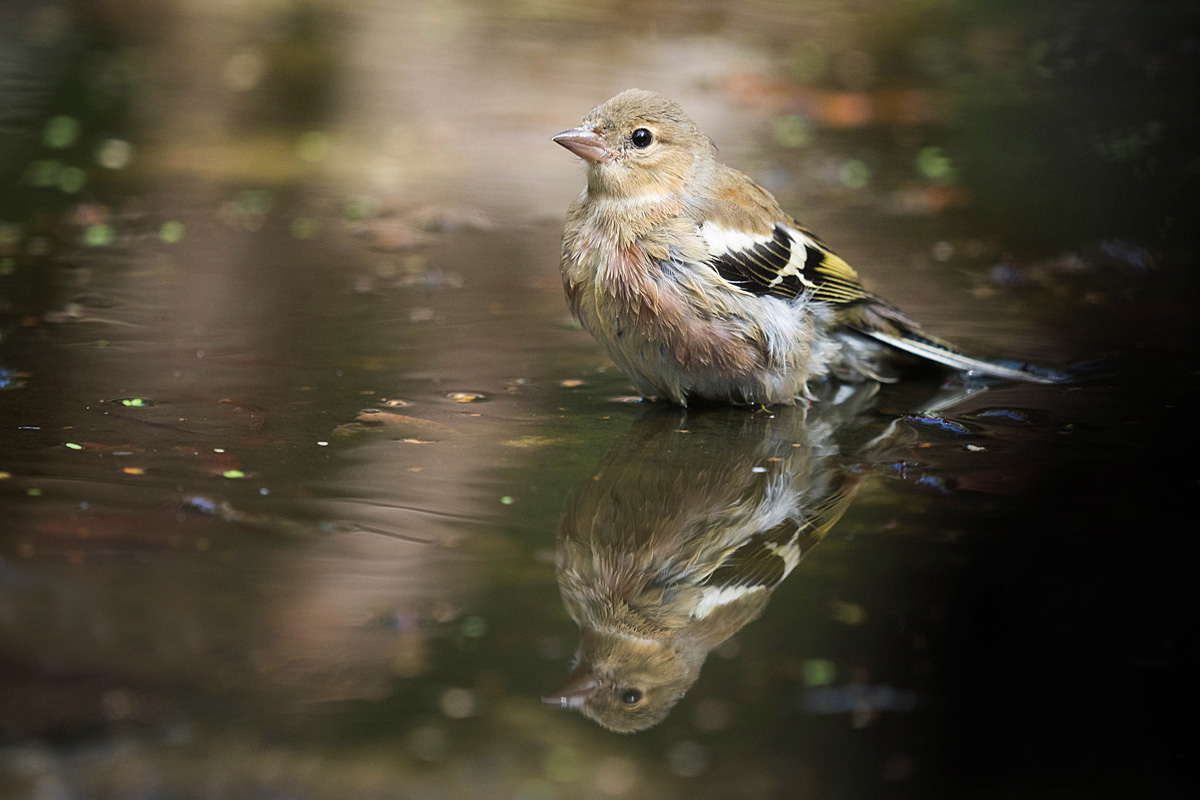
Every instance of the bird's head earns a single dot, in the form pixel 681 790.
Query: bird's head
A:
pixel 639 145
pixel 627 684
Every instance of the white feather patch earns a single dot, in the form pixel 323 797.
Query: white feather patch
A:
pixel 799 258
pixel 799 238
pixel 712 599
pixel 722 240
pixel 789 551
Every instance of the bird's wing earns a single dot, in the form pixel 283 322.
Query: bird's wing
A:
pixel 766 558
pixel 783 261
pixel 758 249
pixel 761 562
pixel 755 248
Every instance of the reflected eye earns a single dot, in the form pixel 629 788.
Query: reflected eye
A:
pixel 631 696
pixel 642 137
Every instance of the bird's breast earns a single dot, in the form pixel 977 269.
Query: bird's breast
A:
pixel 652 303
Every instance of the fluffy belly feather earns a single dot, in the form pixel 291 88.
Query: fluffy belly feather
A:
pixel 763 355
pixel 680 331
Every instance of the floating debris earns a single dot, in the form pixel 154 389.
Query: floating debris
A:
pixel 941 423
pixel 12 380
pixel 376 417
pixel 206 505
pixel 1005 415
pixel 202 504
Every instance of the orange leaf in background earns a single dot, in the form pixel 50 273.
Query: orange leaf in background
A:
pixel 759 91
pixel 845 109
pixel 911 107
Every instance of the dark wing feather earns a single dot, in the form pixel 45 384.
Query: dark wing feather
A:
pixel 756 269
pixel 758 562
pixel 789 264
pixel 762 562
pixel 794 262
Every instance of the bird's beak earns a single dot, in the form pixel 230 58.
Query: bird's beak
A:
pixel 579 687
pixel 585 143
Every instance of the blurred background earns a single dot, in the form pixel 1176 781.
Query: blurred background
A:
pixel 291 404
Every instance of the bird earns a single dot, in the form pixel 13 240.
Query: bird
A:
pixel 701 287
pixel 678 540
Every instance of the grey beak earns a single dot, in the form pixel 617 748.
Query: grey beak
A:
pixel 579 687
pixel 585 143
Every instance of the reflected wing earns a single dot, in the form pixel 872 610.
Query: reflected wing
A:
pixel 765 559
pixel 759 563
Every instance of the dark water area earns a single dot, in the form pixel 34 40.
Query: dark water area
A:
pixel 298 441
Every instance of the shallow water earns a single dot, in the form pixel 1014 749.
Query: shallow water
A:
pixel 293 409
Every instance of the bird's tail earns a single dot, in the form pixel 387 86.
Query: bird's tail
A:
pixel 885 324
pixel 922 344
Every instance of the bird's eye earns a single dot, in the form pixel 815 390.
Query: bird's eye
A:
pixel 631 696
pixel 642 137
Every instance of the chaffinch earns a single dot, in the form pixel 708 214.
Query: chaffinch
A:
pixel 700 286
pixel 667 551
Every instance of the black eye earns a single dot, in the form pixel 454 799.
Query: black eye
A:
pixel 631 696
pixel 642 137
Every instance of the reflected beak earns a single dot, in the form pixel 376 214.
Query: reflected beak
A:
pixel 579 687
pixel 585 143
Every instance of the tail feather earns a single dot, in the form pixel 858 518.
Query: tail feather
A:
pixel 926 346
pixel 876 319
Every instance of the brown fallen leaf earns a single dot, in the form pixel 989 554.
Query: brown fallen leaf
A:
pixel 398 424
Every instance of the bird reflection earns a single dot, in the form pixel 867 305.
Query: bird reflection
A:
pixel 680 537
